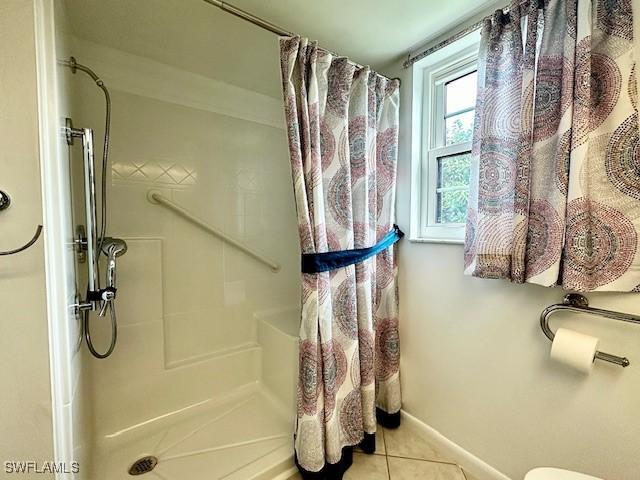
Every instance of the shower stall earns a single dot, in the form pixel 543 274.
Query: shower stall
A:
pixel 201 380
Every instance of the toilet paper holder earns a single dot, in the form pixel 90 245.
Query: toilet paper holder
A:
pixel 579 303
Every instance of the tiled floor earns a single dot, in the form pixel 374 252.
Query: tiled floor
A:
pixel 402 454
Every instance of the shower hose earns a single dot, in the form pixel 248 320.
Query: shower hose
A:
pixel 74 66
pixel 114 332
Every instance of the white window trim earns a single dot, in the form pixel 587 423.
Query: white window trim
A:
pixel 429 228
pixel 428 138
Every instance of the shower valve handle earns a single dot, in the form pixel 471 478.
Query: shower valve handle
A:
pixel 104 294
pixel 107 296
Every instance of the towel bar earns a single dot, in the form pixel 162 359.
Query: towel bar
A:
pixel 579 303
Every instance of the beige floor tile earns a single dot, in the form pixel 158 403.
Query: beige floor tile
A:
pixel 380 448
pixel 408 469
pixel 406 442
pixel 367 467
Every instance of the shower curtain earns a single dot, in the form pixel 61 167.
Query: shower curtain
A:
pixel 555 188
pixel 342 124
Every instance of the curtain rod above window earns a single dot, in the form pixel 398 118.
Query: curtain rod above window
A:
pixel 266 25
pixel 411 59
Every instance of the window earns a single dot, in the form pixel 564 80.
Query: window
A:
pixel 447 116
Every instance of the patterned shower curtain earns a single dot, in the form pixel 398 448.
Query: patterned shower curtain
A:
pixel 555 186
pixel 343 134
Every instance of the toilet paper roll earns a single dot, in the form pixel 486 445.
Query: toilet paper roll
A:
pixel 574 349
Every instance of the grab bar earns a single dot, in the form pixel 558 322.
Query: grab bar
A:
pixel 156 197
pixel 5 202
pixel 33 240
pixel 579 303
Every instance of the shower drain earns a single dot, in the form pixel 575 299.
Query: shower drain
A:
pixel 143 465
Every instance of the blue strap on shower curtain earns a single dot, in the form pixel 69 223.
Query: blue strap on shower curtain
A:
pixel 324 262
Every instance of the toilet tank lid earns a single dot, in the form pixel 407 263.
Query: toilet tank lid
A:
pixel 547 473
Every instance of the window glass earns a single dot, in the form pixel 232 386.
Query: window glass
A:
pixel 452 206
pixel 460 94
pixel 452 190
pixel 459 128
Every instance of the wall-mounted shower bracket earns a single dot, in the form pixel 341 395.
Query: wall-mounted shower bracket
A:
pixel 71 133
pixel 80 244
pixel 68 129
pixel 73 65
pixel 80 306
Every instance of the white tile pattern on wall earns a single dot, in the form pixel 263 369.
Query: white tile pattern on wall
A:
pixel 153 172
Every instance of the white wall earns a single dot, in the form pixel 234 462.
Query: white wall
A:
pixel 25 399
pixel 476 367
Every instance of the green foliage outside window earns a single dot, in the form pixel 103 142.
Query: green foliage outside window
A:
pixel 453 178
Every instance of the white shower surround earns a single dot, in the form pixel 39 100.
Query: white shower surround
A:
pixel 189 345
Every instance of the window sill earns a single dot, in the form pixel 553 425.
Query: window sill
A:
pixel 449 241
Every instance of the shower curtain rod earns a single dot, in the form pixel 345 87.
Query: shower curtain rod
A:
pixel 266 25
pixel 411 59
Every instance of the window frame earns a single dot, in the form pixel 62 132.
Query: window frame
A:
pixel 432 139
pixel 429 210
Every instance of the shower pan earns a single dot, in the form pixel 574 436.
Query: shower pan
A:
pixel 187 226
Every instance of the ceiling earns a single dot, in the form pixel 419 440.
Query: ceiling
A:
pixel 199 38
pixel 372 32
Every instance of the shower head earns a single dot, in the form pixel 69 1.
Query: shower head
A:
pixel 114 247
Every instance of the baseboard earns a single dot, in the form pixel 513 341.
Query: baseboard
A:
pixel 468 461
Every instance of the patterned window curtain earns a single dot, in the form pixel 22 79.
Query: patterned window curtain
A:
pixel 343 135
pixel 555 186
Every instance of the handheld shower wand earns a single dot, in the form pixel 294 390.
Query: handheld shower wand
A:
pixel 112 248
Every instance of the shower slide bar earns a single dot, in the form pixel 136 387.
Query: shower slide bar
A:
pixel 579 303
pixel 94 296
pixel 156 197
